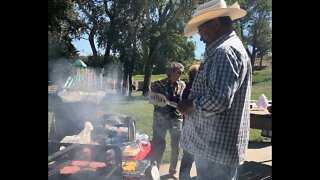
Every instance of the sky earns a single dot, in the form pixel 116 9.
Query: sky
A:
pixel 84 49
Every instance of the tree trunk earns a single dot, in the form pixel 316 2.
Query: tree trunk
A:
pixel 253 59
pixel 130 70
pixel 154 48
pixel 254 50
pixel 261 58
pixel 93 47
pixel 147 78
pixel 147 68
pixel 119 82
pixel 110 42
pixel 106 59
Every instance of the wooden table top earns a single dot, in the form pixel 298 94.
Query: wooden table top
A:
pixel 259 112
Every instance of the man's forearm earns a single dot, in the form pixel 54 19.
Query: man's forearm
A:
pixel 185 106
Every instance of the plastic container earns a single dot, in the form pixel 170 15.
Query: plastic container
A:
pixel 142 137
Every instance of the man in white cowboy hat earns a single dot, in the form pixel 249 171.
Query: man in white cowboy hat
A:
pixel 217 112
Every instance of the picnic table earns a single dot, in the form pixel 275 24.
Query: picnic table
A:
pixel 261 119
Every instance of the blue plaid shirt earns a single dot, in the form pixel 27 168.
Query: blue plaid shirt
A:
pixel 219 128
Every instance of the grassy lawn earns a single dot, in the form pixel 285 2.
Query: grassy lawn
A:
pixel 262 83
pixel 183 77
pixel 139 108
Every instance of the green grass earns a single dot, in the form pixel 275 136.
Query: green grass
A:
pixel 139 108
pixel 262 83
pixel 255 135
pixel 183 77
pixel 153 77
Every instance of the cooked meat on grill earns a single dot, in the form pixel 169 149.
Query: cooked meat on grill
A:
pixel 88 164
pixel 80 163
pixel 97 164
pixel 69 170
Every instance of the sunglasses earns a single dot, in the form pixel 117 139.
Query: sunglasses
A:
pixel 179 72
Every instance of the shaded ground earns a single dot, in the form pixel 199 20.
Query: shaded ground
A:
pixel 255 171
pixel 258 164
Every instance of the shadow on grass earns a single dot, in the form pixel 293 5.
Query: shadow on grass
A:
pixel 258 145
pixel 259 68
pixel 264 80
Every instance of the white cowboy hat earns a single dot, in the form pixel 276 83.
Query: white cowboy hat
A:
pixel 211 10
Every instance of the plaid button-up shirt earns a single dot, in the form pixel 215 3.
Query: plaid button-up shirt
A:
pixel 219 128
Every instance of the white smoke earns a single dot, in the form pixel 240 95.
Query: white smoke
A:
pixel 59 71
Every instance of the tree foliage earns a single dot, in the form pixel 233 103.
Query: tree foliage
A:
pixel 62 27
pixel 165 20
pixel 142 36
pixel 256 27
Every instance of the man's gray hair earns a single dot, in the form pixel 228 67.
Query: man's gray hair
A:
pixel 174 66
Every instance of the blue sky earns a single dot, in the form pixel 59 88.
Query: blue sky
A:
pixel 84 48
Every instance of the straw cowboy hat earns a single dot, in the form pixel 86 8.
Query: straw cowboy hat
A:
pixel 211 10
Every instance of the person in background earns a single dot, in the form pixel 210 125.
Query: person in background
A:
pixel 187 158
pixel 217 111
pixel 167 118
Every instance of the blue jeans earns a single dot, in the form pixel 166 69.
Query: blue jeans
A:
pixel 207 169
pixel 186 164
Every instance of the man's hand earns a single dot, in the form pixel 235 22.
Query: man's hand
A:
pixel 185 106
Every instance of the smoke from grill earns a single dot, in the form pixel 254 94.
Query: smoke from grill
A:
pixel 70 117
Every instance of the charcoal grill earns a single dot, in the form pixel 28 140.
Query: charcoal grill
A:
pixel 65 158
pixel 115 168
pixel 132 167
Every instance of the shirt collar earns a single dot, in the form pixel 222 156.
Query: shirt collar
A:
pixel 211 47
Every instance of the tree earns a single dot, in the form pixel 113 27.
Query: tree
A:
pixel 265 42
pixel 62 26
pixel 133 31
pixel 164 19
pixel 256 27
pixel 91 13
pixel 130 15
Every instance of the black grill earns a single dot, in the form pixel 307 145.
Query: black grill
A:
pixel 99 153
